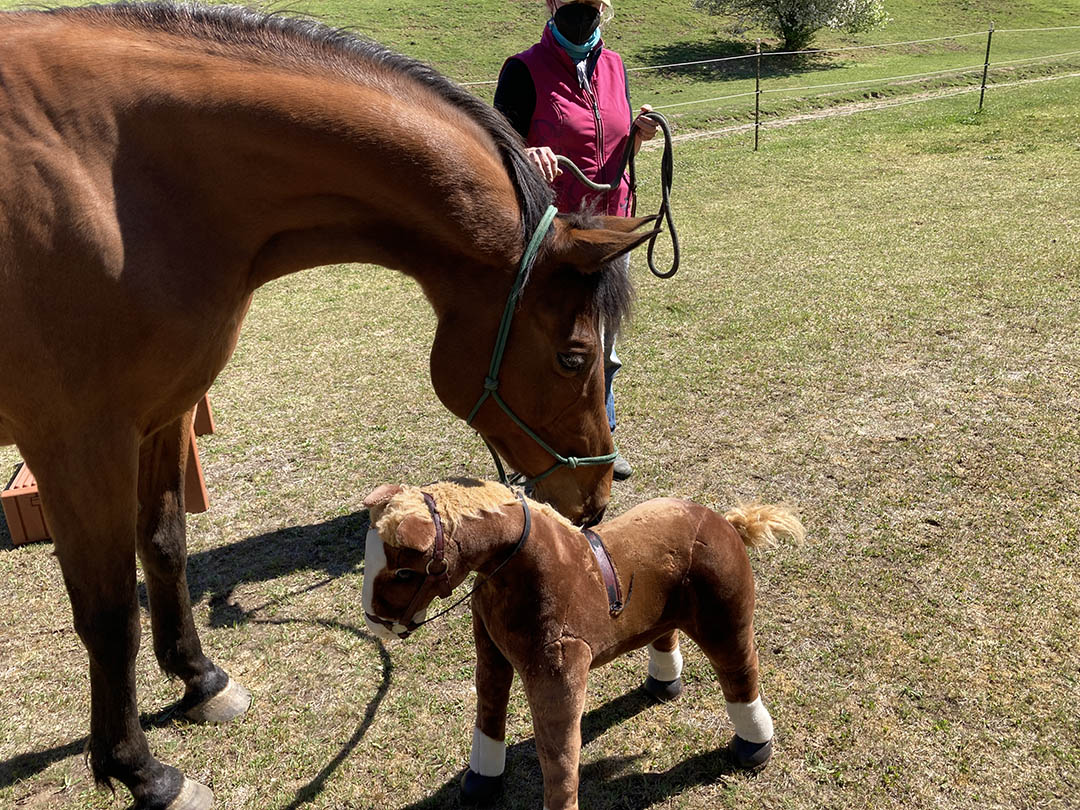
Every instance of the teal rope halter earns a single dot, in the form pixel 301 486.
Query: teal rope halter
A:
pixel 491 382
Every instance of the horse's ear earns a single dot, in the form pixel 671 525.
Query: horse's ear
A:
pixel 588 249
pixel 625 224
pixel 415 533
pixel 381 495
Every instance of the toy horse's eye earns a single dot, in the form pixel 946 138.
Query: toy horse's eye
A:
pixel 571 362
pixel 405 574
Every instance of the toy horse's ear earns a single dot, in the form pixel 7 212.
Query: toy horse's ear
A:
pixel 381 495
pixel 588 249
pixel 416 533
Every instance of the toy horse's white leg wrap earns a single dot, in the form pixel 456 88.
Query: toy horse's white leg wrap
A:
pixel 665 666
pixel 488 756
pixel 751 720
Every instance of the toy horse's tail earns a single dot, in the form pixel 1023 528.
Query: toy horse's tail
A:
pixel 761 525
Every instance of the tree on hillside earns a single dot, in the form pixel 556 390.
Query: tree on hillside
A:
pixel 796 21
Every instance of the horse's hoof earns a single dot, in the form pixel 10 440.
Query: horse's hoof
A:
pixel 192 796
pixel 664 690
pixel 230 702
pixel 477 789
pixel 750 756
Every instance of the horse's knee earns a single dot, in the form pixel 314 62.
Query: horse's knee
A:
pixel 162 542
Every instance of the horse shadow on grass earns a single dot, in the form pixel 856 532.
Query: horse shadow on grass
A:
pixel 334 547
pixel 612 781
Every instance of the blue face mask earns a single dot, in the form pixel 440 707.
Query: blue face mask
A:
pixel 576 28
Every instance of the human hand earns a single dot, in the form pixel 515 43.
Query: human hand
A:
pixel 545 161
pixel 645 127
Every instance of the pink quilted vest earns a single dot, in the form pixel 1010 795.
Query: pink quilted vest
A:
pixel 589 126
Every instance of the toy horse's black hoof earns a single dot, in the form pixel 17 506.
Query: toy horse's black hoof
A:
pixel 750 756
pixel 477 789
pixel 663 690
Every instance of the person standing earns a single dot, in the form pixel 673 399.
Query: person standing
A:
pixel 570 95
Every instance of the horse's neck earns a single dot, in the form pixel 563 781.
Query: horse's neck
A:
pixel 486 542
pixel 293 168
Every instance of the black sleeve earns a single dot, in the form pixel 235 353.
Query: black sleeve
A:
pixel 515 95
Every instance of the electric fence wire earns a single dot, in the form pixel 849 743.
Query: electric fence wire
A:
pixel 816 51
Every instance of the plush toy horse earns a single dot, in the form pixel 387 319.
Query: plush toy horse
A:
pixel 551 609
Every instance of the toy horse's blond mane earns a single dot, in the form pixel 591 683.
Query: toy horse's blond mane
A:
pixel 458 499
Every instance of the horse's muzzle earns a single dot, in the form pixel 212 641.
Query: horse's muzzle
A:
pixel 599 516
pixel 389 628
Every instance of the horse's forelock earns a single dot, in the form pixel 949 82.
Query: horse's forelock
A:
pixel 613 288
pixel 456 500
pixel 614 293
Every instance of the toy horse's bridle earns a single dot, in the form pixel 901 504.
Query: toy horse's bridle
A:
pixel 439 580
pixel 491 382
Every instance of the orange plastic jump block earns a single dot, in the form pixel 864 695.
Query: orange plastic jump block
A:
pixel 22 504
pixel 22 508
pixel 204 417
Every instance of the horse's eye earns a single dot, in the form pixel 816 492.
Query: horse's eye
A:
pixel 405 574
pixel 571 362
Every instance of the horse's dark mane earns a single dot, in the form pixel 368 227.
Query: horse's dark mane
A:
pixel 309 45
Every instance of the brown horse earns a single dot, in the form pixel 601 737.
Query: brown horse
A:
pixel 157 165
pixel 551 610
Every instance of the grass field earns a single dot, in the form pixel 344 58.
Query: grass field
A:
pixel 876 321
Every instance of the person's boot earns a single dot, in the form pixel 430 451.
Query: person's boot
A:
pixel 621 469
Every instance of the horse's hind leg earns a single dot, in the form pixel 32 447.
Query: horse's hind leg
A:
pixel 88 493
pixel 210 696
pixel 665 667
pixel 487 759
pixel 729 646
pixel 723 626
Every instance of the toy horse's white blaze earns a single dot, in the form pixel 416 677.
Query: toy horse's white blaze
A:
pixel 665 666
pixel 488 756
pixel 374 564
pixel 752 721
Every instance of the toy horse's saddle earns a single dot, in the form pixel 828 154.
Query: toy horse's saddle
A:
pixel 607 571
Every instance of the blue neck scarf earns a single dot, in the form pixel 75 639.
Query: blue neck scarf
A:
pixel 576 52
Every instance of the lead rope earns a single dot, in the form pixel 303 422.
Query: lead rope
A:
pixel 667 171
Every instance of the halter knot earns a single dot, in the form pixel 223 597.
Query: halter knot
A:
pixel 491 384
pixel 571 462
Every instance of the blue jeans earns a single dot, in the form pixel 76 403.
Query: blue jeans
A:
pixel 611 367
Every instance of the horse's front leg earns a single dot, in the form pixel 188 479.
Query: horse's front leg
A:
pixel 487 759
pixel 555 686
pixel 665 667
pixel 210 695
pixel 88 493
